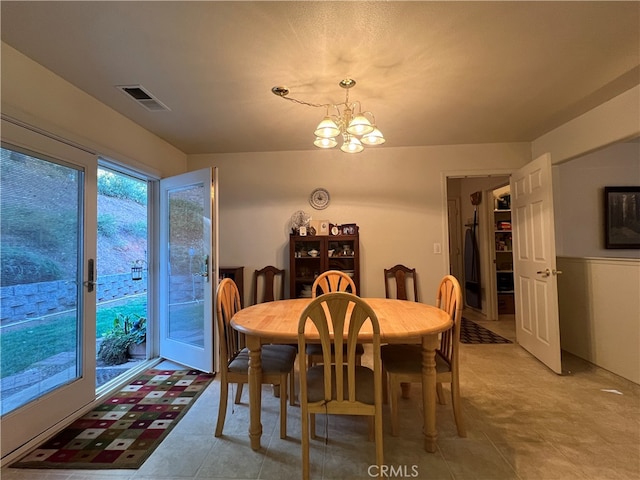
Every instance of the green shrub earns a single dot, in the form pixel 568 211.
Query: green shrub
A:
pixel 126 331
pixel 22 266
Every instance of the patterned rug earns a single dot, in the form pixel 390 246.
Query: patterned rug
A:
pixel 471 332
pixel 124 430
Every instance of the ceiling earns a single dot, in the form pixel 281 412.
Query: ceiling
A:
pixel 433 73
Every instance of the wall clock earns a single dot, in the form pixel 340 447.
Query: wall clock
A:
pixel 319 198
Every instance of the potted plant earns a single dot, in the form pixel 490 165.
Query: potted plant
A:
pixel 138 333
pixel 126 335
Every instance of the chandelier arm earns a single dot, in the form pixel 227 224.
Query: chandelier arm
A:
pixel 302 102
pixel 373 117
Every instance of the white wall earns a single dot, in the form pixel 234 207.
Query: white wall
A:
pixel 36 96
pixel 614 121
pixel 598 297
pixel 579 199
pixel 395 195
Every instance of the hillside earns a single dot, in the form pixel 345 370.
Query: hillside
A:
pixel 38 222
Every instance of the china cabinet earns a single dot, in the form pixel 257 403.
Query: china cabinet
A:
pixel 237 275
pixel 309 256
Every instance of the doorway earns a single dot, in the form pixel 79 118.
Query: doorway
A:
pixel 122 273
pixel 459 191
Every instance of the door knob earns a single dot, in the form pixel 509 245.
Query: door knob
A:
pixel 544 273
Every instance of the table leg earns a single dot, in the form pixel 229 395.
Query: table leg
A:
pixel 429 345
pixel 255 391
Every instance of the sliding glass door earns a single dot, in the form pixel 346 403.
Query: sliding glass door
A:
pixel 47 241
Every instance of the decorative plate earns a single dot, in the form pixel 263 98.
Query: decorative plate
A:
pixel 319 198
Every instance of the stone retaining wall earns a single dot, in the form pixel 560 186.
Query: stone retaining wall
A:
pixel 34 300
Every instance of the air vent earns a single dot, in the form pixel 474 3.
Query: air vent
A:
pixel 143 97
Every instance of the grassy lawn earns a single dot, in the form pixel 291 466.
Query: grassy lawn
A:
pixel 22 348
pixel 38 340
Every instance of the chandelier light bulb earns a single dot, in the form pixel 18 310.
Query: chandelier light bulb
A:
pixel 351 145
pixel 373 138
pixel 327 128
pixel 359 125
pixel 325 142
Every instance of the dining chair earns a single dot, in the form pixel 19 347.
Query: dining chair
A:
pixel 403 363
pixel 271 279
pixel 277 360
pixel 268 285
pixel 404 278
pixel 343 387
pixel 327 282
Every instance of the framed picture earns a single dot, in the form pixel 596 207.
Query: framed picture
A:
pixel 622 217
pixel 349 229
pixel 324 227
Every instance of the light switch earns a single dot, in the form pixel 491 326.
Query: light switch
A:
pixel 437 248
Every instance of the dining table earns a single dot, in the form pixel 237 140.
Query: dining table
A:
pixel 400 321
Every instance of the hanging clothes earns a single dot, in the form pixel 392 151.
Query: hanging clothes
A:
pixel 473 290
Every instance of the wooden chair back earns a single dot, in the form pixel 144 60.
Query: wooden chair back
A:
pixel 449 299
pixel 227 304
pixel 342 387
pixel 271 279
pixel 404 277
pixel 333 281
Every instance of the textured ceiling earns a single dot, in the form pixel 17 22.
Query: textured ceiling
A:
pixel 433 73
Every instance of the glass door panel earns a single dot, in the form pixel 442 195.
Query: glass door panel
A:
pixel 41 277
pixel 187 271
pixel 47 252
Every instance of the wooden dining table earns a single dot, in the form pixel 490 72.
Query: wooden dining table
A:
pixel 400 321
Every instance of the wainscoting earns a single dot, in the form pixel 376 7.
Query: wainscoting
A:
pixel 599 304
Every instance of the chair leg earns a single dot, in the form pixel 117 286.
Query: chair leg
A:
pixel 239 393
pixel 292 387
pixel 394 392
pixel 222 409
pixel 378 440
pixel 305 443
pixel 442 400
pixel 312 425
pixel 283 405
pixel 385 386
pixel 457 408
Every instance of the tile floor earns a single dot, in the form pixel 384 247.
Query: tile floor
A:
pixel 523 421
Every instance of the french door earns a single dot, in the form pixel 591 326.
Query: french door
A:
pixel 48 211
pixel 188 267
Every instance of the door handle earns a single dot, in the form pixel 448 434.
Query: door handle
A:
pixel 547 272
pixel 204 268
pixel 91 275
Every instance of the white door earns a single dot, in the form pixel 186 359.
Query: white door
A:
pixel 48 334
pixel 188 268
pixel 535 274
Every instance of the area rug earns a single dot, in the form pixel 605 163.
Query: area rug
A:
pixel 471 332
pixel 124 430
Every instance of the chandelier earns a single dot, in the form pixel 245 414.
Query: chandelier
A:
pixel 344 120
